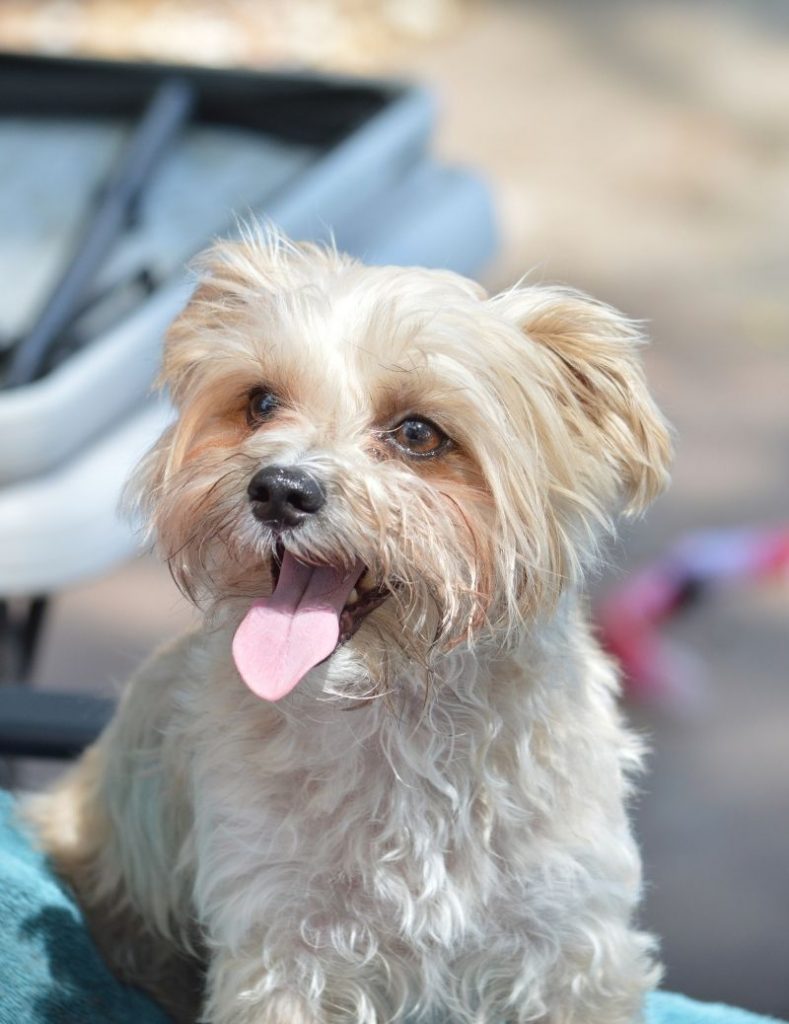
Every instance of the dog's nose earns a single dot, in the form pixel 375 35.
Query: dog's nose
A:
pixel 282 496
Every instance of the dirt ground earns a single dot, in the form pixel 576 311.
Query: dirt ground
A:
pixel 640 151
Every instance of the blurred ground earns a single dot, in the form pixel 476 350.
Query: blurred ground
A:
pixel 641 151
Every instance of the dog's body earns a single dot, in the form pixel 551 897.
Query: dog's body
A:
pixel 427 824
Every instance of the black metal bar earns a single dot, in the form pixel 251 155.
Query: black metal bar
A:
pixel 30 634
pixel 21 624
pixel 7 643
pixel 51 725
pixel 300 107
pixel 165 115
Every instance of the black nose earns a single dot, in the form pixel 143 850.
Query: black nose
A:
pixel 282 496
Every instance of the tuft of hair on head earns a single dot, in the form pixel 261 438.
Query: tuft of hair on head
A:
pixel 263 259
pixel 233 277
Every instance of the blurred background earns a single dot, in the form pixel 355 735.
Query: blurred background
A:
pixel 638 150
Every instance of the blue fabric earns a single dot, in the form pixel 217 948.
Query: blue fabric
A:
pixel 51 973
pixel 668 1008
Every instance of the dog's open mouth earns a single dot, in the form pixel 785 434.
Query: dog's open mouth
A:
pixel 311 611
pixel 365 597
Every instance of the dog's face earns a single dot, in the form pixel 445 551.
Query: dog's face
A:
pixel 433 464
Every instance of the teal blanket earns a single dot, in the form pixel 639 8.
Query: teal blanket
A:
pixel 50 972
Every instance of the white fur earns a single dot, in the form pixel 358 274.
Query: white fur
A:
pixel 424 830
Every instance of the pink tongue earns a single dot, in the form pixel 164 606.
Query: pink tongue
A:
pixel 283 636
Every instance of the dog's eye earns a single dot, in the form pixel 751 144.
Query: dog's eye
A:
pixel 261 403
pixel 420 438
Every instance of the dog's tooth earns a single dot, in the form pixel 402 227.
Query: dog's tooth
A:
pixel 354 596
pixel 365 584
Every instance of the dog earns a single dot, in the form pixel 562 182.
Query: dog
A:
pixel 386 780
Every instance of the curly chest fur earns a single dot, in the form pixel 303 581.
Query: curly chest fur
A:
pixel 427 820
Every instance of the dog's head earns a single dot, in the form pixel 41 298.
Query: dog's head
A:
pixel 406 463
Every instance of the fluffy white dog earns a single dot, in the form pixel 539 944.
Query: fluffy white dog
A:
pixel 386 780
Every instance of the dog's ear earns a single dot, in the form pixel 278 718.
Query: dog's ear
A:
pixel 591 364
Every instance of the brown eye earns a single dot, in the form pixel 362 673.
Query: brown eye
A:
pixel 261 403
pixel 419 438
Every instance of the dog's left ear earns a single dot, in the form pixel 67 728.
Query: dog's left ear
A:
pixel 590 361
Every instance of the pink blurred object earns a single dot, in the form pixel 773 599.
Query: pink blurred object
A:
pixel 629 619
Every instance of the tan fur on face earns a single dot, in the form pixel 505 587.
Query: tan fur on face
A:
pixel 458 849
pixel 544 373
